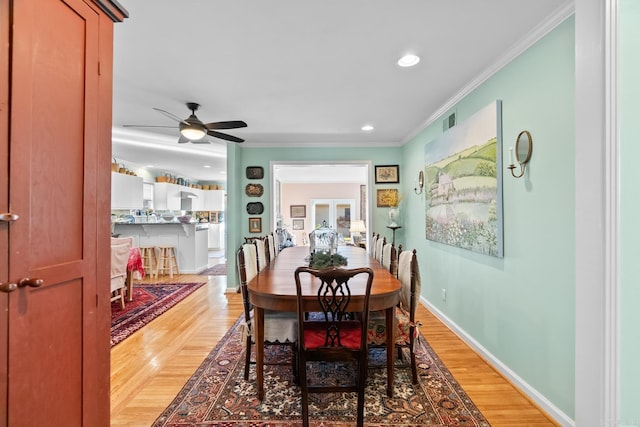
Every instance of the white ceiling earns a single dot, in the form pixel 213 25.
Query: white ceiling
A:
pixel 301 73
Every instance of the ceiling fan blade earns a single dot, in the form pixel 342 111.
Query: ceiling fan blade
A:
pixel 233 124
pixel 224 136
pixel 148 126
pixel 171 116
pixel 183 140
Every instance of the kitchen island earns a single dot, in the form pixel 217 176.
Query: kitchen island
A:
pixel 190 241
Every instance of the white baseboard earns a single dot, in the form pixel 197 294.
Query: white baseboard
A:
pixel 522 385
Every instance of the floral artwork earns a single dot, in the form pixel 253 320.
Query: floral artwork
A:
pixel 463 191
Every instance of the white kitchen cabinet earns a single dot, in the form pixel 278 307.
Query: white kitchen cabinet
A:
pixel 126 191
pixel 213 200
pixel 197 204
pixel 216 236
pixel 166 196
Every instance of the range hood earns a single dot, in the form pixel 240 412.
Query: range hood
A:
pixel 185 200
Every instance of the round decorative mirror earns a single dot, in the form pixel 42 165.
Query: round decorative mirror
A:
pixel 524 146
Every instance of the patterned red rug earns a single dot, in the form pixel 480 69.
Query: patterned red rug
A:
pixel 149 302
pixel 217 394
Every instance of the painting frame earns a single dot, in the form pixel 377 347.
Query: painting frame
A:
pixel 383 195
pixel 387 174
pixel 298 224
pixel 298 211
pixel 255 225
pixel 463 184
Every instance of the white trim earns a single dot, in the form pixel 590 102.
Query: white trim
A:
pixel 545 27
pixel 596 214
pixel 612 215
pixel 533 394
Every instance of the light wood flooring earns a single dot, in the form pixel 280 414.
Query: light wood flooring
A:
pixel 149 368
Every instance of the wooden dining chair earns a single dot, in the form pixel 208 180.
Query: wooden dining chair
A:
pixel 389 258
pixel 380 242
pixel 280 328
pixel 406 324
pixel 372 246
pixel 271 247
pixel 338 335
pixel 261 252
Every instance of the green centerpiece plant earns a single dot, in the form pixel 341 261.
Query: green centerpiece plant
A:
pixel 323 260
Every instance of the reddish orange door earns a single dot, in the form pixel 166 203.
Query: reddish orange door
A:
pixel 50 336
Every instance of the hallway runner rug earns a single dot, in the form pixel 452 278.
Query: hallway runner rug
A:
pixel 216 270
pixel 149 302
pixel 218 395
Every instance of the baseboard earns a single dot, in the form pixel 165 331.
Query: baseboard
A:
pixel 530 392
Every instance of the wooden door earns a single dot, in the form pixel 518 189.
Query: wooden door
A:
pixel 54 352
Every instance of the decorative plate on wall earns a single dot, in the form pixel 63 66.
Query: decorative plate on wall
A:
pixel 254 190
pixel 255 208
pixel 255 172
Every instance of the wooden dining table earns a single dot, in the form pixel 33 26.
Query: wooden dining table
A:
pixel 274 288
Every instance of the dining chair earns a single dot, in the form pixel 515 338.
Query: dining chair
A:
pixel 261 252
pixel 338 335
pixel 120 247
pixel 280 328
pixel 406 324
pixel 372 246
pixel 389 259
pixel 380 242
pixel 271 246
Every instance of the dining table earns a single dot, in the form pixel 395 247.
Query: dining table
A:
pixel 274 288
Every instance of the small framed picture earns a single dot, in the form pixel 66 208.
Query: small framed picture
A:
pixel 387 197
pixel 387 174
pixel 298 224
pixel 298 211
pixel 255 225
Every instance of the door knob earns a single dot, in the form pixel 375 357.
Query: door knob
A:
pixel 8 287
pixel 8 217
pixel 34 283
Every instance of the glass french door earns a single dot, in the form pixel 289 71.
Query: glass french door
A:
pixel 335 213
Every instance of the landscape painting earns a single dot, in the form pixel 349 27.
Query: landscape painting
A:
pixel 463 200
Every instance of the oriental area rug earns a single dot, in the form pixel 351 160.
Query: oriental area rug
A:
pixel 218 395
pixel 216 270
pixel 149 301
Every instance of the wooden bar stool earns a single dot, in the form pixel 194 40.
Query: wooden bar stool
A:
pixel 149 260
pixel 167 261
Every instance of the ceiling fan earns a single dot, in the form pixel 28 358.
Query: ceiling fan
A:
pixel 193 130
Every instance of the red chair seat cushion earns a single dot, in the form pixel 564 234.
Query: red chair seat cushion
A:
pixel 376 331
pixel 315 334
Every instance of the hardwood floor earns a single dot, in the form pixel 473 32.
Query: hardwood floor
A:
pixel 149 368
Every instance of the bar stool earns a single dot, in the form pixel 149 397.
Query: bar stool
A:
pixel 149 260
pixel 167 260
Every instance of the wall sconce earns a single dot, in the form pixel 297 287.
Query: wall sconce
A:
pixel 418 189
pixel 524 147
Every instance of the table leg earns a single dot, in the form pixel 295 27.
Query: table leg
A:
pixel 390 318
pixel 259 324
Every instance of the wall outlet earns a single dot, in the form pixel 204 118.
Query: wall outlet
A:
pixel 443 294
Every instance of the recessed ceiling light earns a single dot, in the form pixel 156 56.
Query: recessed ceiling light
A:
pixel 408 60
pixel 206 166
pixel 223 172
pixel 367 128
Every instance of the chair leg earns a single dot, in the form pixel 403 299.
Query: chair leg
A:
pixel 122 298
pixel 302 374
pixel 414 369
pixel 247 358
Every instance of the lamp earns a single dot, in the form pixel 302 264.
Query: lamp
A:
pixel 524 148
pixel 356 229
pixel 192 128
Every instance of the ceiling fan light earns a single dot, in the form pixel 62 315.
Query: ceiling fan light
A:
pixel 192 132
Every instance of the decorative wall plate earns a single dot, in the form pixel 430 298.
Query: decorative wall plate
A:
pixel 255 172
pixel 254 190
pixel 255 208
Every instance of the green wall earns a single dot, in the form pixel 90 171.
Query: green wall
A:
pixel 629 206
pixel 519 308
